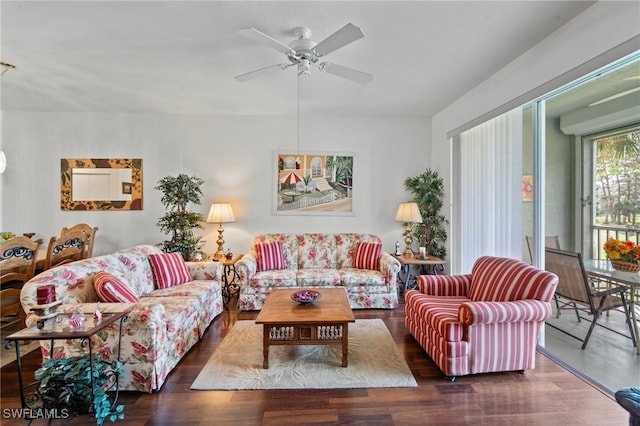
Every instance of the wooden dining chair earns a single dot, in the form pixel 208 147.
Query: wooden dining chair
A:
pixel 574 285
pixel 18 256
pixel 17 265
pixel 91 234
pixel 11 311
pixel 65 249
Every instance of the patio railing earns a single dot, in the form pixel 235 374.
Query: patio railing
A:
pixel 600 234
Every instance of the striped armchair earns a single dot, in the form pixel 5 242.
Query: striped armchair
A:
pixel 482 322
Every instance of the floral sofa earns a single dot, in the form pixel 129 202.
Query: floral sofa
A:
pixel 318 260
pixel 482 322
pixel 163 325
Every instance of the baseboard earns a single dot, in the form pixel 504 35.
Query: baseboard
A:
pixel 579 374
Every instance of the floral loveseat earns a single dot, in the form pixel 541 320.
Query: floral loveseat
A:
pixel 163 325
pixel 482 322
pixel 320 260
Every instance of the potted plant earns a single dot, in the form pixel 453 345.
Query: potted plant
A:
pixel 428 192
pixel 66 384
pixel 177 193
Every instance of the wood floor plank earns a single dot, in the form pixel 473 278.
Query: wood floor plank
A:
pixel 548 395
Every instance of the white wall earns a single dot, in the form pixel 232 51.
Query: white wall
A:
pixel 233 154
pixel 602 27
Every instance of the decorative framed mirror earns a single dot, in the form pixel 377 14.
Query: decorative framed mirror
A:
pixel 101 184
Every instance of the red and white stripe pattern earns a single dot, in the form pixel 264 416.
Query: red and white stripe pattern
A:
pixel 444 285
pixel 269 256
pixel 111 290
pixel 502 279
pixel 497 331
pixel 169 269
pixel 367 256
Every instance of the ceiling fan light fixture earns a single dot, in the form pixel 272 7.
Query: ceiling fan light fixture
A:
pixel 305 53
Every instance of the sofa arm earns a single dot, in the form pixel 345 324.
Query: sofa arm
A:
pixel 471 313
pixel 389 264
pixel 208 270
pixel 246 268
pixel 444 285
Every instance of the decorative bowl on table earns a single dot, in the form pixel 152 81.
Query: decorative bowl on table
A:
pixel 622 266
pixel 305 296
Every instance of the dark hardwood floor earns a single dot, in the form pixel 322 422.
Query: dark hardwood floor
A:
pixel 548 395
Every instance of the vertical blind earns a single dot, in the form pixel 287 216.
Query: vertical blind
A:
pixel 490 189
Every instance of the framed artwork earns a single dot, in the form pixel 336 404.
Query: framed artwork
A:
pixel 527 188
pixel 126 187
pixel 314 183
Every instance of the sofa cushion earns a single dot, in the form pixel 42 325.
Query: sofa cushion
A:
pixel 496 279
pixel 111 290
pixel 318 277
pixel 275 278
pixel 316 251
pixel 441 314
pixel 269 256
pixel 169 269
pixel 367 256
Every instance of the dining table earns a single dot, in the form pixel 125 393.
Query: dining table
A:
pixel 601 269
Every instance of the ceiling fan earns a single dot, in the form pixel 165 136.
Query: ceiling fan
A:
pixel 305 53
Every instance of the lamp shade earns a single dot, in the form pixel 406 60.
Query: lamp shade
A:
pixel 221 213
pixel 408 213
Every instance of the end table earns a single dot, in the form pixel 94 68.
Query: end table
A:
pixel 58 328
pixel 430 266
pixel 230 278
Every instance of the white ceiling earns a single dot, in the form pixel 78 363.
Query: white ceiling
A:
pixel 182 56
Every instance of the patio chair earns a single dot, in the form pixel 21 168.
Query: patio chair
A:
pixel 575 286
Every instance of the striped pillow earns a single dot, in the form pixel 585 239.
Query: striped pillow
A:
pixel 169 269
pixel 367 256
pixel 111 290
pixel 270 256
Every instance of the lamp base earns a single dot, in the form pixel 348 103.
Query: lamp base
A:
pixel 407 240
pixel 218 255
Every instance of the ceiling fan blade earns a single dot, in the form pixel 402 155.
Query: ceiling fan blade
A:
pixel 261 71
pixel 261 37
pixel 345 35
pixel 344 72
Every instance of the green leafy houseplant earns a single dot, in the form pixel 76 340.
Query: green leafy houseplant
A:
pixel 428 192
pixel 177 193
pixel 65 383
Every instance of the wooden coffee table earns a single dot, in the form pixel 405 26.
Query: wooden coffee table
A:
pixel 325 322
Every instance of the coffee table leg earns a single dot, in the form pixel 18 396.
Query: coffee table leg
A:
pixel 265 346
pixel 345 344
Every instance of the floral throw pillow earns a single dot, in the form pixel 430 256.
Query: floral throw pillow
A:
pixel 111 290
pixel 270 256
pixel 169 269
pixel 367 256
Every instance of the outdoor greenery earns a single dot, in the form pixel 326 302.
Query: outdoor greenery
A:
pixel 65 383
pixel 342 169
pixel 618 180
pixel 177 193
pixel 428 192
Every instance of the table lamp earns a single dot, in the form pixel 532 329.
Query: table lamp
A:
pixel 408 213
pixel 220 213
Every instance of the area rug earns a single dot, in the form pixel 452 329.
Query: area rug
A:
pixel 374 361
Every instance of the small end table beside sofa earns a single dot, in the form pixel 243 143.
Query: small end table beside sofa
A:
pixel 164 324
pixel 320 260
pixel 485 321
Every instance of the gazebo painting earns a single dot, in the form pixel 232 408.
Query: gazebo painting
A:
pixel 314 183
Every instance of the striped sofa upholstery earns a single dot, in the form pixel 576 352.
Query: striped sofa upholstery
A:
pixel 482 322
